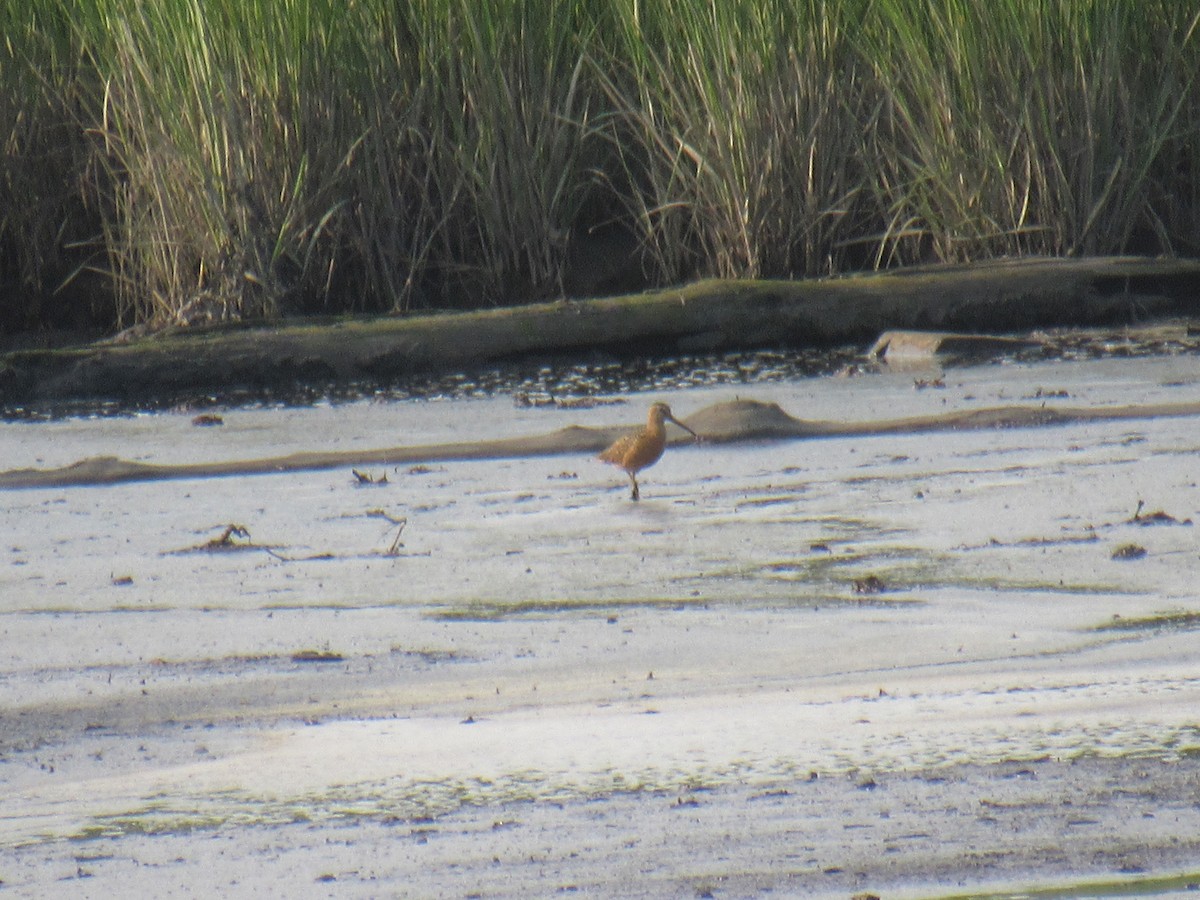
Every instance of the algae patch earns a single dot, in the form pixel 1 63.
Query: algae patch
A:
pixel 493 611
pixel 1166 621
pixel 1128 886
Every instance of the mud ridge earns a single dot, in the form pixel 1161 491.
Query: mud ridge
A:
pixel 730 422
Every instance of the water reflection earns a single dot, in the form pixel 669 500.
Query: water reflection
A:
pixel 543 381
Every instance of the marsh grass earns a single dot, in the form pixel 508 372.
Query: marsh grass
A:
pixel 1030 126
pixel 737 126
pixel 44 204
pixel 199 160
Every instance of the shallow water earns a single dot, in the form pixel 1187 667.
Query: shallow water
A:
pixel 880 603
pixel 537 382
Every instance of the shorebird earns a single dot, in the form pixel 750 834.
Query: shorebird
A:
pixel 642 448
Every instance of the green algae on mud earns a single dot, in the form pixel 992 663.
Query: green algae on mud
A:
pixel 1131 885
pixel 494 611
pixel 416 802
pixel 903 585
pixel 1167 621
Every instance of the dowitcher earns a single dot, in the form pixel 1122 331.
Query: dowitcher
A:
pixel 642 448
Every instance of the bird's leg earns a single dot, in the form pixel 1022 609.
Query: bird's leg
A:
pixel 636 493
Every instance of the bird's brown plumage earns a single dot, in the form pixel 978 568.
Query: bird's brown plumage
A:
pixel 642 448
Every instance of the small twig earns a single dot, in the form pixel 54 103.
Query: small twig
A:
pixel 394 549
pixel 365 478
pixel 225 540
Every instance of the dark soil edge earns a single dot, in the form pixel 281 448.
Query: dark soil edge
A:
pixel 708 316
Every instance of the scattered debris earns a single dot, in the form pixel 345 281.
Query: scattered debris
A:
pixel 233 538
pixel 226 539
pixel 122 580
pixel 872 584
pixel 921 384
pixel 365 478
pixel 394 549
pixel 1129 551
pixel 1158 517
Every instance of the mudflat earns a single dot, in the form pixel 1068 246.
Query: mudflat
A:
pixel 937 663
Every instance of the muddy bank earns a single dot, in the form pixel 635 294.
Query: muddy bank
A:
pixel 859 664
pixel 728 422
pixel 704 317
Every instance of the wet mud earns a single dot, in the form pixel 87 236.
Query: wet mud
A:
pixel 729 422
pixel 887 661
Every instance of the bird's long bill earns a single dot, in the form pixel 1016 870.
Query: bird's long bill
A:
pixel 681 425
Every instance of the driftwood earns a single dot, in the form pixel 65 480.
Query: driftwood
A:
pixel 905 347
pixel 704 317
